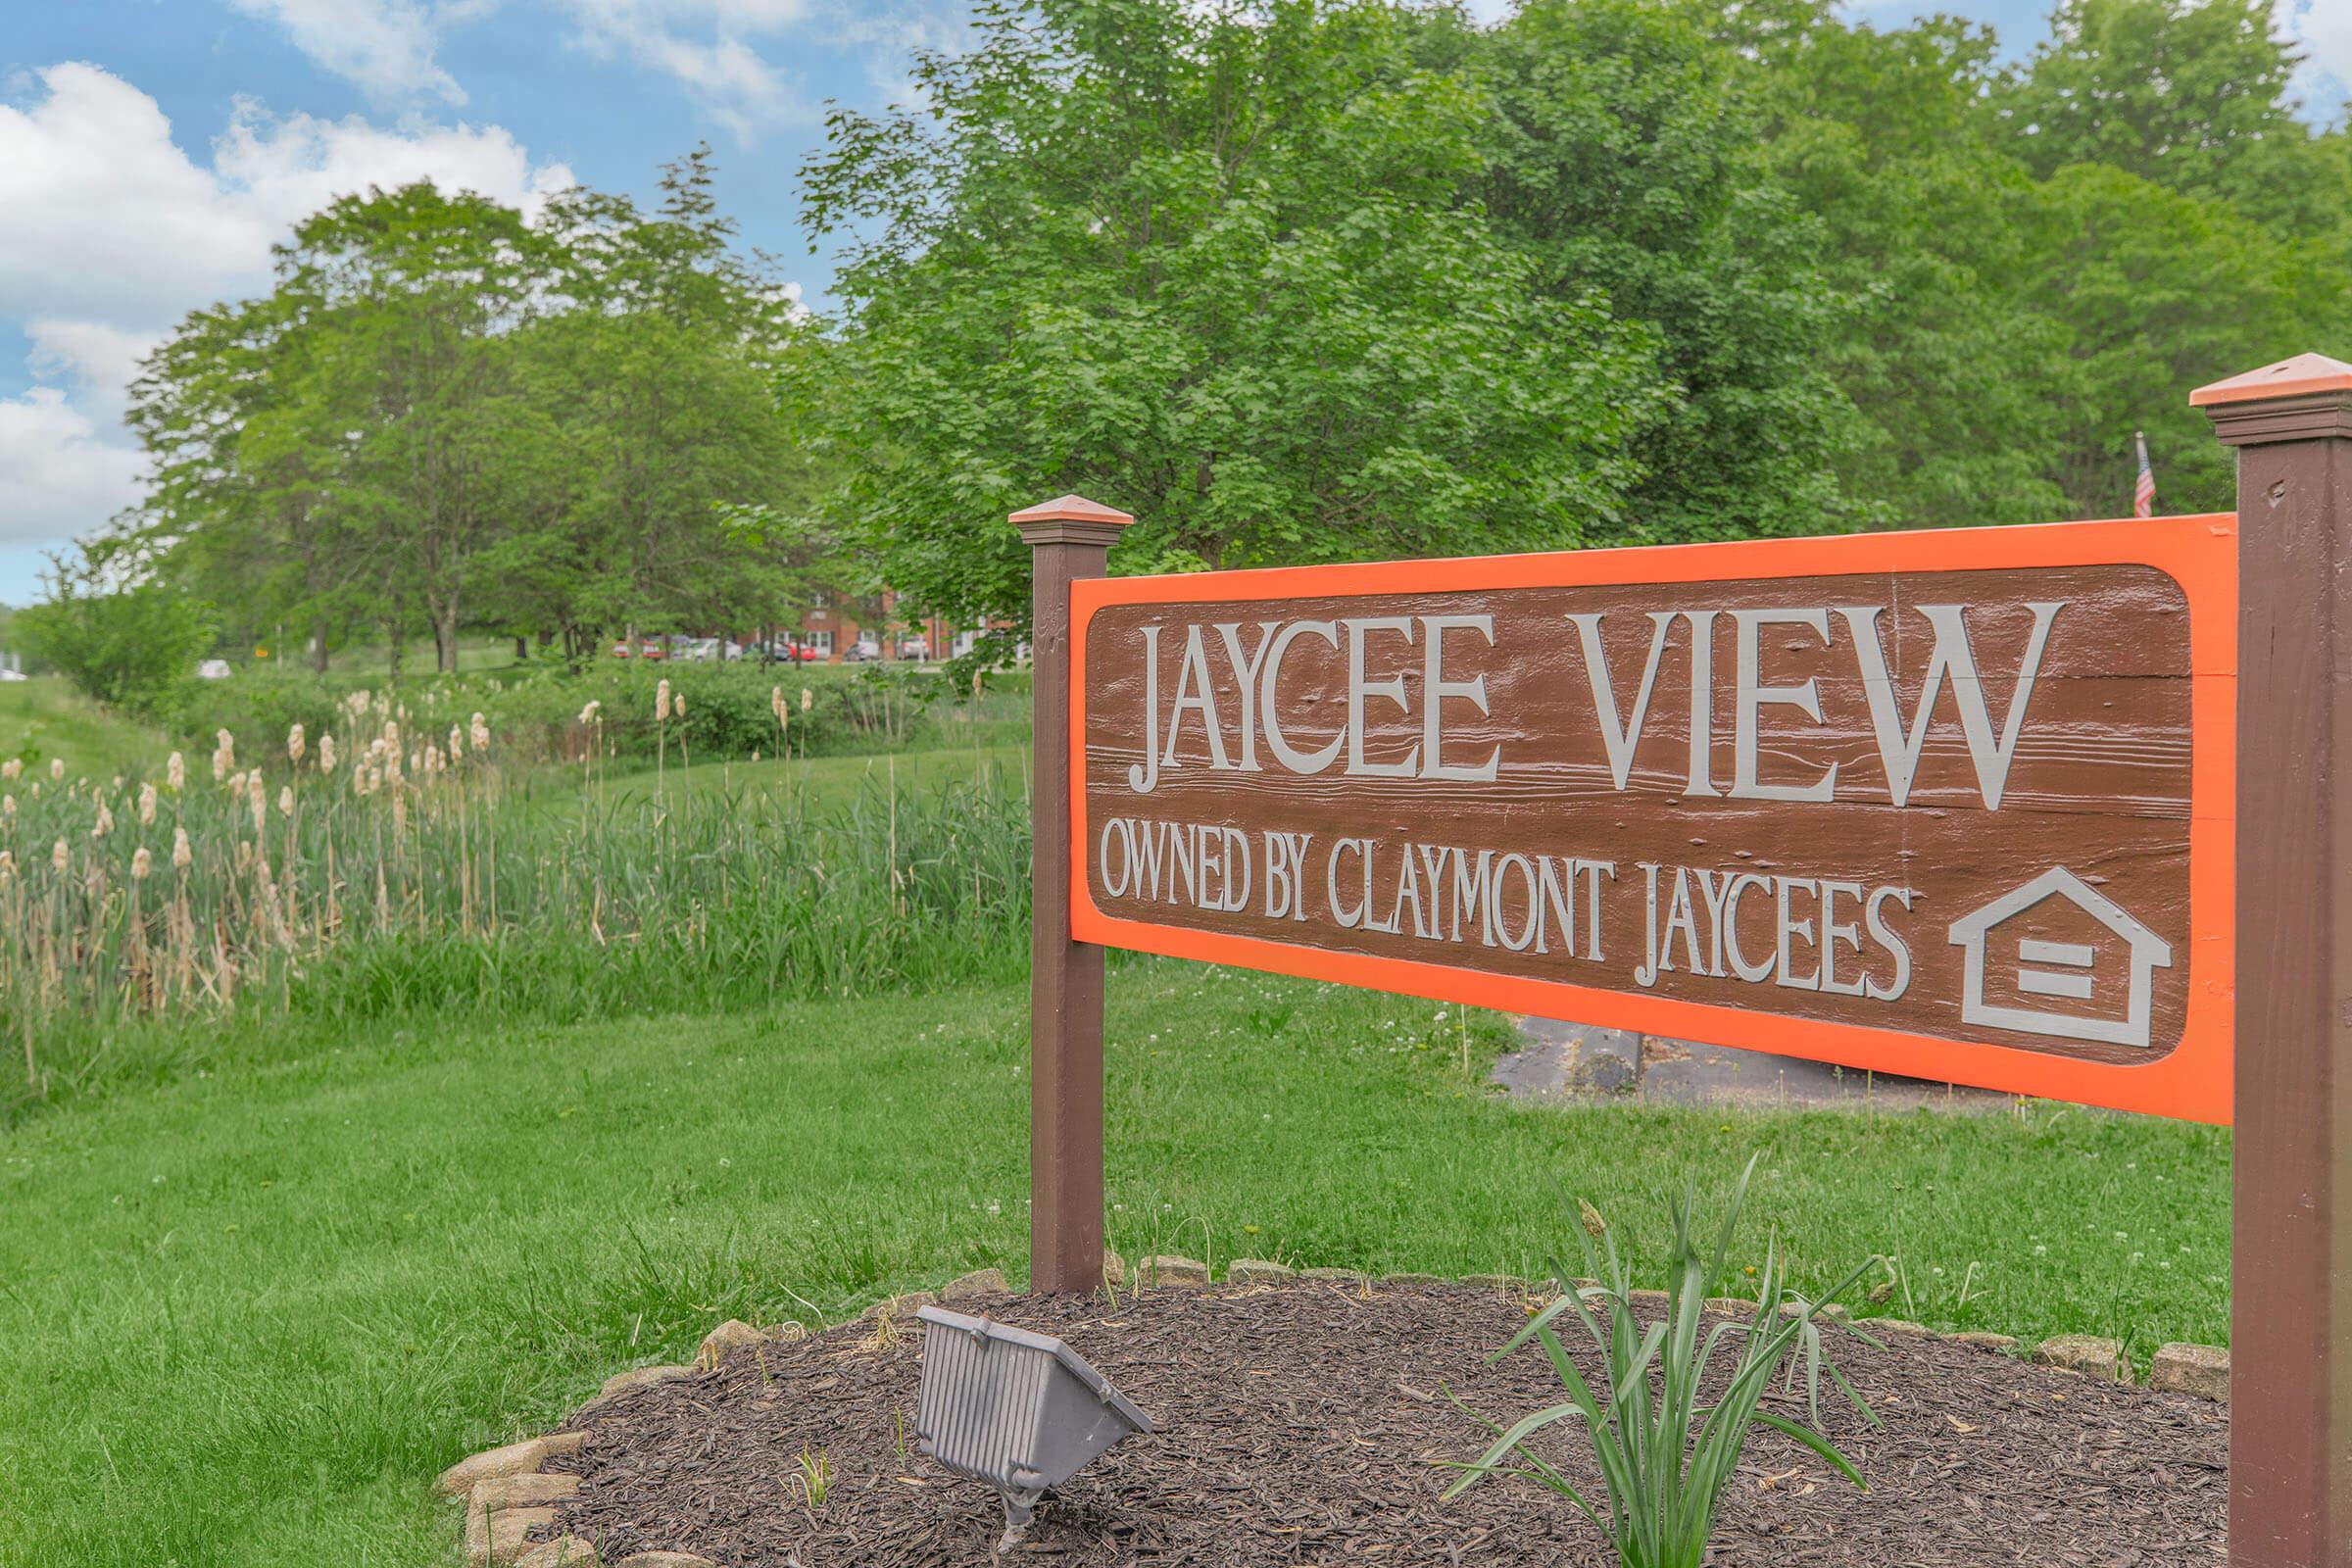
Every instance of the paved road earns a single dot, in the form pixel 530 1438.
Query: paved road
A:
pixel 1570 1061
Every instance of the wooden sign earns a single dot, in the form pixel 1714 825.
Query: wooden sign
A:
pixel 2055 809
pixel 1954 805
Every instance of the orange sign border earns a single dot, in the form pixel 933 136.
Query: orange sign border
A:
pixel 2192 1081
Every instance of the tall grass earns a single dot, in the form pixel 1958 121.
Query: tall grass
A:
pixel 373 871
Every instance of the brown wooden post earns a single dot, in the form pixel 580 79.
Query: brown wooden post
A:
pixel 2290 1319
pixel 1069 539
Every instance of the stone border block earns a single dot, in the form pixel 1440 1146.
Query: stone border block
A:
pixel 2199 1369
pixel 2086 1353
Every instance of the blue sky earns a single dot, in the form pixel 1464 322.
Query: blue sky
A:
pixel 152 150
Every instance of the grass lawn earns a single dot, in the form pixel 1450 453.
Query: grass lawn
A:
pixel 245 1317
pixel 827 780
pixel 43 718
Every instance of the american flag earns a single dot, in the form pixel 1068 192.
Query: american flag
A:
pixel 2143 488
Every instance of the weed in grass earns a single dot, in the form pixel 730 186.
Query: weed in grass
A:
pixel 1665 1459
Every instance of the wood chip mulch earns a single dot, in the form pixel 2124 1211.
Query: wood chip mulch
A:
pixel 1305 1423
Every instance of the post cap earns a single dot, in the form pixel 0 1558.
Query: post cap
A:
pixel 1070 519
pixel 2299 377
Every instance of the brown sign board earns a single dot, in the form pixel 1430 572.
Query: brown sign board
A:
pixel 1954 805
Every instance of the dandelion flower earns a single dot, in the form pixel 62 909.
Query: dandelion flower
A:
pixel 141 862
pixel 285 800
pixel 146 805
pixel 176 771
pixel 295 745
pixel 105 823
pixel 60 858
pixel 479 733
pixel 181 855
pixel 56 768
pixel 662 703
pixel 326 753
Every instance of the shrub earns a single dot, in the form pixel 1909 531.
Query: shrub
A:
pixel 1663 1478
pixel 131 648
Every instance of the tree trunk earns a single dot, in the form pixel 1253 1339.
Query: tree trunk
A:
pixel 445 637
pixel 319 647
pixel 522 647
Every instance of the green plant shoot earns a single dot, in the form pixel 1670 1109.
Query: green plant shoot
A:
pixel 1665 1457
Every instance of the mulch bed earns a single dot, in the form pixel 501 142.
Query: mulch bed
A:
pixel 1304 1424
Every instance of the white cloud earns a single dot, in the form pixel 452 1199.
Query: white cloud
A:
pixel 384 47
pixel 114 231
pixel 706 46
pixel 61 476
pixel 2323 30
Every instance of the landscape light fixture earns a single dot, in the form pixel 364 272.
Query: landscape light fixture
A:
pixel 1020 1411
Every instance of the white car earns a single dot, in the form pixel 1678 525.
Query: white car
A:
pixel 213 669
pixel 698 651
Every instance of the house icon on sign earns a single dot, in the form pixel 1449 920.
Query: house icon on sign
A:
pixel 2057 969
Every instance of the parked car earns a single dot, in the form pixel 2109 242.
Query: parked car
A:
pixel 648 649
pixel 210 670
pixel 698 651
pixel 864 651
pixel 794 654
pixel 914 648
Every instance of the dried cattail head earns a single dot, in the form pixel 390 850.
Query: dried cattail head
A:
pixel 808 699
pixel 141 862
pixel 181 855
pixel 478 732
pixel 1595 1226
pixel 56 768
pixel 326 753
pixel 244 853
pixel 457 743
pixel 295 745
pixel 285 799
pixel 433 761
pixel 679 703
pixel 400 812
pixel 377 750
pixel 8 865
pixel 8 806
pixel 589 712
pixel 256 795
pixel 146 805
pixel 176 771
pixel 10 768
pixel 662 703
pixel 225 754
pixel 105 822
pixel 416 761
pixel 754 753
pixel 60 858
pixel 356 705
pixel 776 701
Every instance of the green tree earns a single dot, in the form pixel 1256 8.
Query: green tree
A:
pixel 1215 265
pixel 1624 157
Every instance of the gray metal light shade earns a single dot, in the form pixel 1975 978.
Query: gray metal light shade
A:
pixel 1020 1411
